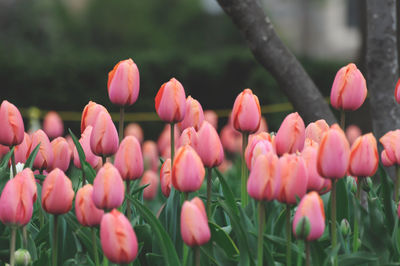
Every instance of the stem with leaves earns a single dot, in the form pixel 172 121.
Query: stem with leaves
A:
pixel 197 256
pixel 308 260
pixel 244 195
pixel 333 218
pixel 288 237
pixel 55 240
pixel 261 224
pixel 209 184
pixel 95 253
pixel 121 123
pixel 12 245
pixel 355 236
pixel 14 167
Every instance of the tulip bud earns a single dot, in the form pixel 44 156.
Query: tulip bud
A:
pixel 391 145
pixel 291 135
pixel 44 158
pixel 27 178
pixel 123 83
pixel 128 159
pixel 90 113
pixel 209 146
pixel 188 170
pixel 53 125
pixel 135 130
pixel 364 157
pixel 211 117
pixel 22 257
pixel 165 177
pixel 170 102
pixel 349 88
pixel 194 223
pixel 86 212
pixel 314 131
pixel 352 182
pixel 366 184
pixel 397 92
pixel 118 239
pixel 62 154
pixel 385 159
pixel 231 139
pixel 12 126
pixel 193 115
pixel 57 193
pixel 352 133
pixel 246 112
pixel 21 151
pixel 345 227
pixel 108 188
pixel 256 147
pixel 91 158
pixel 104 139
pixel 311 208
pixel 151 178
pixel 189 136
pixel 303 228
pixel 150 155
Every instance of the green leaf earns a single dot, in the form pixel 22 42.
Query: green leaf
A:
pixel 4 170
pixel 7 157
pixel 356 258
pixel 219 236
pixel 32 156
pixel 342 200
pixel 386 195
pixel 228 194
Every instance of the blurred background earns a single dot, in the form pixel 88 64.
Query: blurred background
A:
pixel 56 54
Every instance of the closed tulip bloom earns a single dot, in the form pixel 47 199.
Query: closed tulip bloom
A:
pixel 188 170
pixel 364 158
pixel 134 129
pixel 246 112
pixel 256 137
pixel 53 125
pixel 170 102
pixel 62 154
pixel 391 145
pixel 311 206
pixel 164 140
pixel 44 157
pixel 71 145
pixel 118 239
pixel 294 178
pixel 151 178
pixel 264 179
pixel 28 178
pixel 57 193
pixel 165 177
pixel 194 115
pixel 315 130
pixel 123 83
pixel 86 212
pixel 94 160
pixel 104 139
pixel 189 136
pixel 258 144
pixel 12 126
pixel 349 88
pixel 397 92
pixel 150 155
pixel 385 159
pixel 108 188
pixel 209 146
pixel 129 159
pixel 90 113
pixel 211 117
pixel 291 135
pixel 352 133
pixel 194 223
pixel 21 151
pixel 231 139
pixel 333 154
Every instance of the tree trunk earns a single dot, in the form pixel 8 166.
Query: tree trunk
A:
pixel 270 52
pixel 382 65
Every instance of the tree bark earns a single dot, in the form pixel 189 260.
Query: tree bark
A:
pixel 270 52
pixel 382 65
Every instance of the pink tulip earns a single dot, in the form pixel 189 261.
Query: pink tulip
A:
pixel 225 166
pixel 315 130
pixel 104 139
pixel 57 193
pixel 258 144
pixel 189 136
pixel 165 177
pixel 246 112
pixel 193 115
pixel 188 170
pixel 123 83
pixel 352 133
pixel 21 151
pixel 90 113
pixel 170 102
pixel 291 135
pixel 209 146
pixel 263 126
pixel 62 154
pixel 312 208
pixel 128 159
pixel 211 117
pixel 27 177
pixel 333 154
pixel 71 145
pixel 256 137
pixel 349 88
pixel 108 188
pixel 151 178
pixel 86 212
pixel 45 155
pixel 53 125
pixel 150 155
pixel 194 223
pixel 364 158
pixel 391 145
pixel 164 140
pixel 118 239
pixel 12 126
pixel 397 92
pixel 385 159
pixel 134 129
pixel 91 158
pixel 231 139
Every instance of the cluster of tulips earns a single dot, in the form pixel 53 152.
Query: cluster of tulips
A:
pixel 294 166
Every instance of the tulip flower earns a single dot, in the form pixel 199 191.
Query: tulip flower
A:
pixel 165 177
pixel 104 138
pixel 21 151
pixel 352 133
pixel 189 136
pixel 194 115
pixel 45 155
pixel 118 239
pixel 188 170
pixel 62 154
pixel 170 102
pixel 28 178
pixel 53 125
pixel 225 166
pixel 291 135
pixel 123 83
pixel 211 117
pixel 263 126
pixel 91 158
pixel 397 92
pixel 134 129
pixel 255 148
pixel 349 88
pixel 164 140
pixel 391 145
pixel 385 159
pixel 151 178
pixel 315 130
pixel 246 112
pixel 86 212
pixel 108 188
pixel 90 113
pixel 150 155
pixel 364 157
pixel 128 159
pixel 209 146
pixel 254 138
pixel 12 125
pixel 194 223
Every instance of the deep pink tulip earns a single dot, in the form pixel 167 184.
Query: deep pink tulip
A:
pixel 211 117
pixel 164 140
pixel 188 170
pixel 385 159
pixel 118 239
pixel 256 137
pixel 246 112
pixel 364 158
pixel 62 154
pixel 151 178
pixel 333 154
pixel 209 146
pixel 231 139
pixel 57 193
pixel 134 129
pixel 397 92
pixel 194 223
pixel 170 102
pixel 311 206
pixel 165 177
pixel 315 130
pixel 194 115
pixel 94 160
pixel 53 125
pixel 123 83
pixel 352 133
pixel 12 126
pixel 150 155
pixel 391 145
pixel 129 159
pixel 108 188
pixel 349 88
pixel 21 151
pixel 86 212
pixel 45 155
pixel 104 139
pixel 28 178
pixel 90 113
pixel 258 144
pixel 189 136
pixel 291 135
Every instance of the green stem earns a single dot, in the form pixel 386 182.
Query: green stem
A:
pixel 355 236
pixel 342 119
pixel 333 218
pixel 209 184
pixel 197 256
pixel 14 167
pixel 307 253
pixel 95 253
pixel 288 237
pixel 397 184
pixel 128 202
pixel 185 196
pixel 83 178
pixel 244 195
pixel 12 245
pixel 261 224
pixel 24 237
pixel 104 158
pixel 55 240
pixel 172 141
pixel 121 123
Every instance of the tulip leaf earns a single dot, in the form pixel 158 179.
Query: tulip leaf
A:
pixel 357 258
pixel 228 194
pixel 32 156
pixel 139 189
pixel 386 194
pixel 222 239
pixel 342 200
pixel 6 158
pixel 4 170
